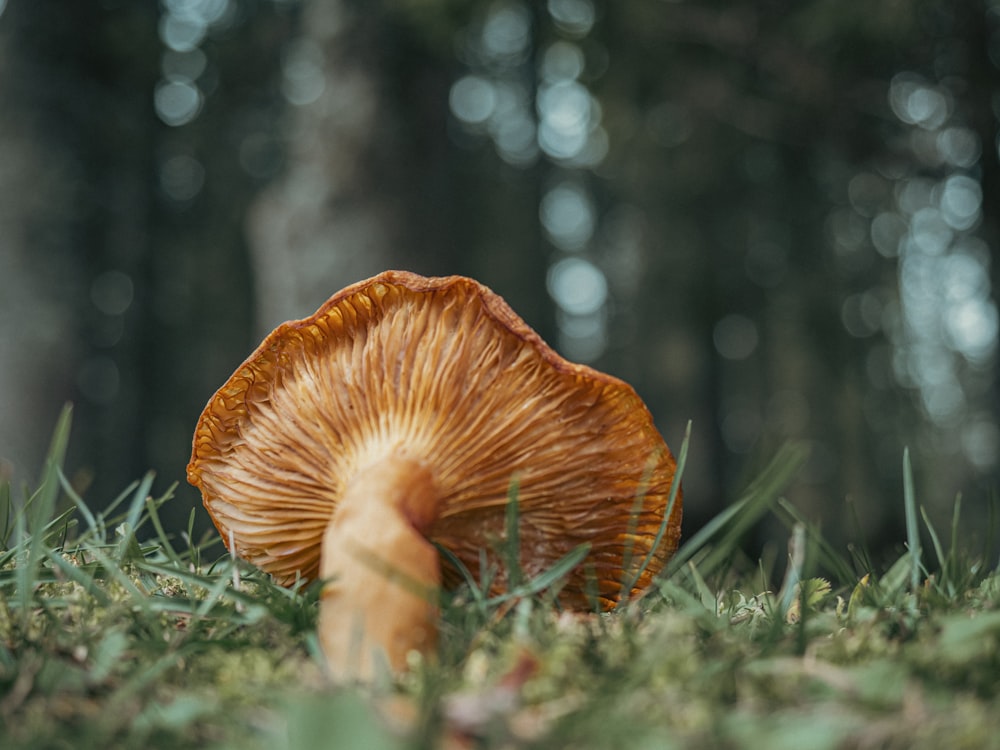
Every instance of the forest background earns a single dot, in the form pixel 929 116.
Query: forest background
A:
pixel 776 220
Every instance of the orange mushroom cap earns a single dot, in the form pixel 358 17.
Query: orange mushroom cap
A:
pixel 441 372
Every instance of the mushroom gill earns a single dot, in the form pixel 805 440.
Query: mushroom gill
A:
pixel 393 419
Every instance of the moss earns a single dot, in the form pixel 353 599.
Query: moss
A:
pixel 108 643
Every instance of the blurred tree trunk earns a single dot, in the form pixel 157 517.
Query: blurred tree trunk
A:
pixel 738 157
pixel 372 179
pixel 38 292
pixel 324 223
pixel 75 138
pixel 106 281
pixel 336 215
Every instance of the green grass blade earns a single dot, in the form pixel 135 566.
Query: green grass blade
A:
pixel 953 551
pixel 162 538
pixel 478 589
pixel 935 541
pixel 675 485
pixel 633 524
pixel 705 593
pixel 512 547
pixel 95 529
pixel 732 523
pixel 6 513
pixel 41 506
pixel 989 544
pixel 113 505
pixel 113 569
pixel 214 594
pixel 790 588
pixel 912 529
pixel 128 546
pixel 547 578
pixel 24 573
pixel 194 550
pixel 32 523
pixel 893 581
pixel 859 548
pixel 829 558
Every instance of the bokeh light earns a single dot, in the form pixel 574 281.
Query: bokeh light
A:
pixel 567 216
pixel 567 114
pixel 494 98
pixel 181 177
pixel 941 320
pixel 735 337
pixel 971 325
pixel 580 291
pixel 531 103
pixel 981 441
pixel 916 102
pixel 961 199
pixel 506 32
pixel 577 286
pixel 562 61
pixel 861 314
pixel 887 230
pixel 573 17
pixel 183 26
pixel 303 79
pixel 959 146
pixel 205 13
pixel 178 100
pixel 181 33
pixel 473 99
pixel 112 292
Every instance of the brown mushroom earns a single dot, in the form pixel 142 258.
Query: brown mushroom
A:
pixel 394 419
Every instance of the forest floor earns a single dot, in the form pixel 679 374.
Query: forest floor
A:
pixel 115 634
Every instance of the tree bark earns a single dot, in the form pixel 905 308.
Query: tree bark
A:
pixel 334 216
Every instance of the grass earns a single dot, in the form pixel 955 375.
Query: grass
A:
pixel 117 634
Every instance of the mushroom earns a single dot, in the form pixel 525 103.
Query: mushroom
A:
pixel 354 443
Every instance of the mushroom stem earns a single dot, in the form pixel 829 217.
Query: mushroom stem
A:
pixel 383 575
